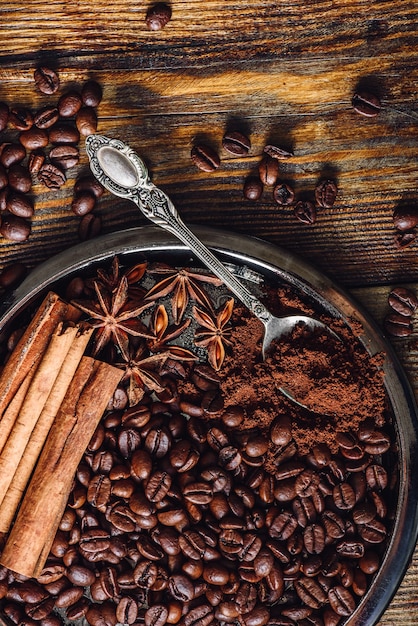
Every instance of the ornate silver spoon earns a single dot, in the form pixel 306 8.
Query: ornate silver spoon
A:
pixel 120 170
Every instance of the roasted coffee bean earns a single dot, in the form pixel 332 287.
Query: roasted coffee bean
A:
pixel 12 275
pixel 68 597
pixel 64 133
pixel 326 193
pixel 90 226
pixel 127 610
pixel 14 228
pixel 275 152
pixel 86 121
pixel 198 492
pixel 403 301
pixel 76 611
pixel 19 205
pixel 230 458
pixel 305 212
pixel 90 184
pixel 344 496
pixel 366 104
pixel 51 176
pixel 36 161
pixel 283 194
pixel 205 158
pixel 350 549
pixel 376 477
pixel 19 178
pixel 4 115
pixel 404 239
pixel 65 156
pixel 405 219
pixel 129 440
pixel 268 170
pixel 20 118
pixel 12 153
pixel 236 143
pixel 46 80
pixel 69 104
pixel 158 485
pixel 80 576
pixel 253 188
pixel 141 465
pixel 310 592
pixel 34 138
pixel 314 538
pixel 145 574
pixel 46 117
pixel 158 16
pixel 341 601
pixel 373 531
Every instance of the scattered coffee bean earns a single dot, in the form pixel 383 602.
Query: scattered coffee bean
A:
pixel 86 121
pixel 326 193
pixel 405 218
pixel 366 104
pixel 51 176
pixel 14 228
pixel 20 118
pixel 205 158
pixel 64 133
pixel 90 226
pixel 34 138
pixel 46 80
pixel 277 153
pixel 91 93
pixel 236 143
pixel 404 239
pixel 253 188
pixel 283 194
pixel 89 183
pixel 158 16
pixel 403 301
pixel 65 156
pixel 12 153
pixel 36 161
pixel 3 177
pixel 268 170
pixel 305 212
pixel 19 205
pixel 19 178
pixel 46 117
pixel 398 325
pixel 69 104
pixel 12 275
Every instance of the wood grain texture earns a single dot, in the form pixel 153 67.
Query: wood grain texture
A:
pixel 283 72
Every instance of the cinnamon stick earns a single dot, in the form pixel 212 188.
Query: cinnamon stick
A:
pixel 31 537
pixel 27 354
pixel 40 432
pixel 33 404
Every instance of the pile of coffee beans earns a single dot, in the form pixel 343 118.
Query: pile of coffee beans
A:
pixel 173 519
pixel 403 303
pixel 42 146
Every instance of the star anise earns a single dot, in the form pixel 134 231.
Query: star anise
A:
pixel 114 317
pixel 163 334
pixel 110 280
pixel 184 284
pixel 141 370
pixel 214 333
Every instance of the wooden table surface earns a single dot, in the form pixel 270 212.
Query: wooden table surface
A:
pixel 282 72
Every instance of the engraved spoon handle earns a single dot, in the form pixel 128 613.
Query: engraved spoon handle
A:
pixel 158 208
pixel 123 173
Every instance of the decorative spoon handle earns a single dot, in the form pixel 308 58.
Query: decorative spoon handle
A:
pixel 121 171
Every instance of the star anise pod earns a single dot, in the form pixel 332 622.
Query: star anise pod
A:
pixel 163 334
pixel 183 284
pixel 114 317
pixel 142 372
pixel 214 332
pixel 110 280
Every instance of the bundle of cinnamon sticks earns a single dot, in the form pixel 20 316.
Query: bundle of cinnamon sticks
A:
pixel 51 400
